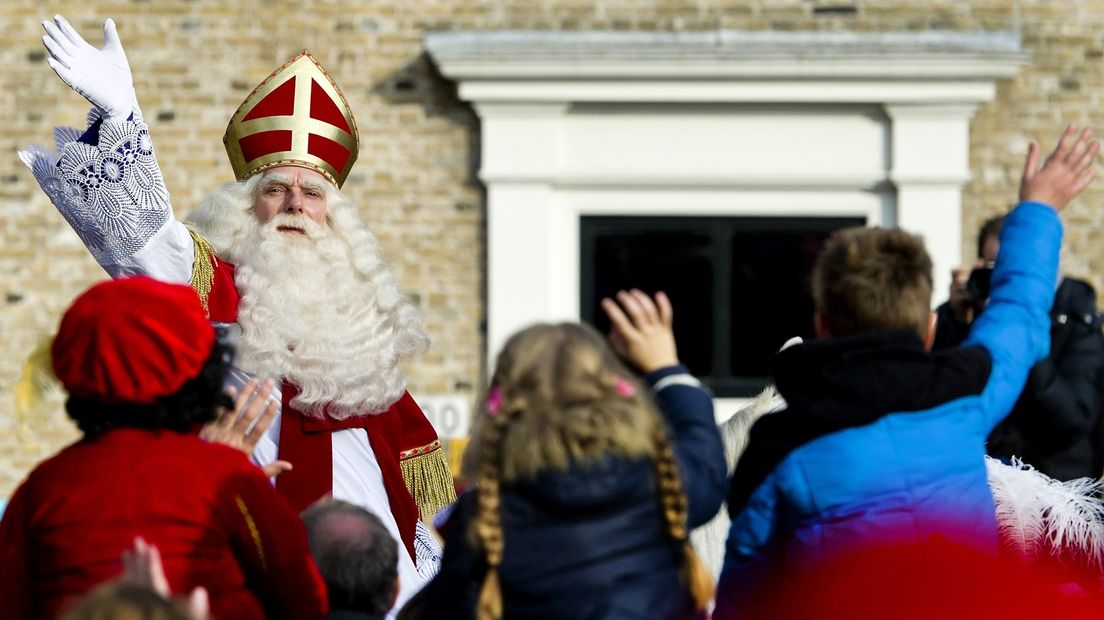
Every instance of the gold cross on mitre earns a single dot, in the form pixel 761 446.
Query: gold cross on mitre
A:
pixel 296 117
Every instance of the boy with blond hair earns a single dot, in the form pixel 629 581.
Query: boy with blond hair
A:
pixel 882 441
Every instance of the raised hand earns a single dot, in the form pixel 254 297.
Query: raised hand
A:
pixel 1065 174
pixel 142 567
pixel 244 425
pixel 102 76
pixel 641 329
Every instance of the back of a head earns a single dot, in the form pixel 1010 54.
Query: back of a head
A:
pixel 561 393
pixel 138 352
pixel 357 556
pixel 559 397
pixel 870 279
pixel 127 601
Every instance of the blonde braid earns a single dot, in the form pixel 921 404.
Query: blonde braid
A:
pixel 488 521
pixel 673 501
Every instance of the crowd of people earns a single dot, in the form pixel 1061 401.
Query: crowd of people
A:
pixel 249 449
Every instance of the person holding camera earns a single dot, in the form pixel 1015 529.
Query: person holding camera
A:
pixel 1056 423
pixel 969 289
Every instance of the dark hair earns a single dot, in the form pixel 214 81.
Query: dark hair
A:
pixel 358 560
pixel 193 404
pixel 989 228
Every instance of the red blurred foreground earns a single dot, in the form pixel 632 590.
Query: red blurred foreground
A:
pixel 935 579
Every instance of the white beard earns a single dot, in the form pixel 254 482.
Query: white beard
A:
pixel 322 311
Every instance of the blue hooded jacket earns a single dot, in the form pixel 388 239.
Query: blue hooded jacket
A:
pixel 884 442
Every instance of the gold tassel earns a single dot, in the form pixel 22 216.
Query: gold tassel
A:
pixel 203 271
pixel 697 577
pixel 427 476
pixel 490 597
pixel 36 379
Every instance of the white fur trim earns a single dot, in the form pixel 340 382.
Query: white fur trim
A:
pixel 679 379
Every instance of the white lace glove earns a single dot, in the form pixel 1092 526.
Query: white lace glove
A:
pixel 100 76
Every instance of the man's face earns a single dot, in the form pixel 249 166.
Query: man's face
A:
pixel 292 190
pixel 990 248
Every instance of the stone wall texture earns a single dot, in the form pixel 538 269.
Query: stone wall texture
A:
pixel 195 60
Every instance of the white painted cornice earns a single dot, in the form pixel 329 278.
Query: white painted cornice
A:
pixel 863 180
pixel 725 54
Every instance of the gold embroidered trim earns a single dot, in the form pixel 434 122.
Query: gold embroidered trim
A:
pixel 426 449
pixel 253 531
pixel 428 478
pixel 203 268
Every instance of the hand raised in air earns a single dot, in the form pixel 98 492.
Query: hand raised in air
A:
pixel 641 329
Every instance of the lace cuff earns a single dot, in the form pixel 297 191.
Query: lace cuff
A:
pixel 111 193
pixel 168 256
pixel 427 553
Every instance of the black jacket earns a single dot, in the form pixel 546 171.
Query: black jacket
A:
pixel 1055 425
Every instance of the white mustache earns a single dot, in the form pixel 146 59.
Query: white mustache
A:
pixel 302 222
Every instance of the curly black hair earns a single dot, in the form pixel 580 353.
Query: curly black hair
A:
pixel 195 403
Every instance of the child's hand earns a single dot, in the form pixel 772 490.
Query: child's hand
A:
pixel 142 567
pixel 644 337
pixel 1065 174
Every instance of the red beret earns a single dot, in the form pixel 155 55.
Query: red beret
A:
pixel 132 340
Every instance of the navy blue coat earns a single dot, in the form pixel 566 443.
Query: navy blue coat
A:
pixel 591 543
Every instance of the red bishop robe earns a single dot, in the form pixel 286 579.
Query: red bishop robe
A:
pixel 415 472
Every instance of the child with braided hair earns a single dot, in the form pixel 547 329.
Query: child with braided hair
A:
pixel 586 485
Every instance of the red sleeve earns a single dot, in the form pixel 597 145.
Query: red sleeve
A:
pixel 271 544
pixel 222 300
pixel 16 585
pixel 417 432
pixel 424 466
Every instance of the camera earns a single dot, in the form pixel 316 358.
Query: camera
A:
pixel 229 334
pixel 977 286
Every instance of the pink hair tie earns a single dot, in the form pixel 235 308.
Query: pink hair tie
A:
pixel 494 401
pixel 624 387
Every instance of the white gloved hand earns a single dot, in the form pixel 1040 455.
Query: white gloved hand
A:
pixel 100 76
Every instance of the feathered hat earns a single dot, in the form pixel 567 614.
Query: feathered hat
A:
pixel 296 117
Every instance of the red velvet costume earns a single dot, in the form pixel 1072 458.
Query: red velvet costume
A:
pixel 401 437
pixel 209 510
pixel 297 116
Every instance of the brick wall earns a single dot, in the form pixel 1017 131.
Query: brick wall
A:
pixel 194 61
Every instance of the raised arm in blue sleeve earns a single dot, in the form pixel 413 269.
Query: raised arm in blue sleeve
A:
pixel 1015 326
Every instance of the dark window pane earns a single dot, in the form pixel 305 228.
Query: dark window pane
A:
pixel 740 285
pixel 771 293
pixel 680 264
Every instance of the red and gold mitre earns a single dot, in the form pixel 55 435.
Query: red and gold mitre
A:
pixel 296 117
